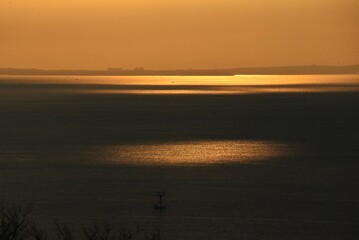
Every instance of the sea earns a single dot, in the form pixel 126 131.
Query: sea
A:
pixel 236 157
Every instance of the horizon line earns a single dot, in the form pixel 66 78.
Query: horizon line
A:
pixel 140 68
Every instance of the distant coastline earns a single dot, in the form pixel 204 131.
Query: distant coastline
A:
pixel 281 70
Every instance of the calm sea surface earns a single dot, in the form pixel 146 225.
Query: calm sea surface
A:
pixel 240 157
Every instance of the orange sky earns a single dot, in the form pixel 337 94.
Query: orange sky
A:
pixel 171 34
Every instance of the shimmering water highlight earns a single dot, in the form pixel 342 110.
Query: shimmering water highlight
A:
pixel 193 152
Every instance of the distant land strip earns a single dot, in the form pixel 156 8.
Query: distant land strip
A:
pixel 139 71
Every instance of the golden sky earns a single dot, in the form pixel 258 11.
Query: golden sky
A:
pixel 171 34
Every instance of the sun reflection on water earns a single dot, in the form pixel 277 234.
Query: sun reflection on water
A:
pixel 194 152
pixel 181 85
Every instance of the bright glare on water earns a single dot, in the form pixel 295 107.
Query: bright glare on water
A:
pixel 193 152
pixel 158 85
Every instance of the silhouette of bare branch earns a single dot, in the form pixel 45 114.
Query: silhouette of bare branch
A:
pixel 14 225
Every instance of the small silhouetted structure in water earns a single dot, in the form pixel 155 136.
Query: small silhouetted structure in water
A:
pixel 159 205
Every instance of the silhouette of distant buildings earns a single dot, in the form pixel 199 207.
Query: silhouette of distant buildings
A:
pixel 282 70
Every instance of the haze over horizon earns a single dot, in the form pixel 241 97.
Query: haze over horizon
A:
pixel 177 34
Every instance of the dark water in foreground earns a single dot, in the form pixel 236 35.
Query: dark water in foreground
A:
pixel 245 157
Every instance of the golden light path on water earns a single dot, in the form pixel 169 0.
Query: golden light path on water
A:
pixel 228 90
pixel 195 152
pixel 182 85
pixel 236 80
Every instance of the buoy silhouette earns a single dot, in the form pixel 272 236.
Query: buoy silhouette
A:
pixel 159 205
